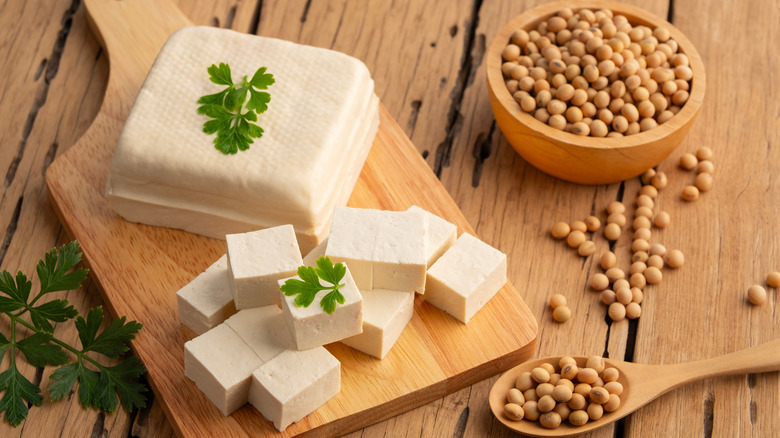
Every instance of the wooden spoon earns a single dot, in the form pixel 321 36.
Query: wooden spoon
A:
pixel 641 383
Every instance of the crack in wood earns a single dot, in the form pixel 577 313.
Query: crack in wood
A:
pixel 454 117
pixel 52 66
pixel 708 406
pixel 751 383
pixel 141 416
pixel 753 412
pixel 478 52
pixel 41 69
pixel 633 325
pixel 670 12
pixel 483 149
pixel 608 322
pixel 50 154
pixel 305 12
pixel 460 425
pixel 416 104
pixel 255 23
pixel 38 376
pixel 11 229
pixel 231 16
pixel 99 429
pixel 338 27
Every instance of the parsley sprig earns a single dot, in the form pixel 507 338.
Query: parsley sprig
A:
pixel 99 384
pixel 235 130
pixel 309 285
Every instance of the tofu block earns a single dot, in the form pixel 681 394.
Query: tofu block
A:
pixel 385 315
pixel 294 384
pixel 311 327
pixel 221 365
pixel 207 300
pixel 310 259
pixel 166 172
pixel 400 251
pixel 466 277
pixel 257 260
pixel 383 249
pixel 351 241
pixel 264 330
pixel 441 235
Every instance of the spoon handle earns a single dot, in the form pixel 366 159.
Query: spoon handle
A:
pixel 761 358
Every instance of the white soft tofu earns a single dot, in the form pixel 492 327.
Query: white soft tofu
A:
pixel 207 300
pixel 311 327
pixel 257 260
pixel 466 277
pixel 166 171
pixel 383 249
pixel 310 259
pixel 221 364
pixel 351 241
pixel 294 384
pixel 264 330
pixel 400 250
pixel 385 315
pixel 441 235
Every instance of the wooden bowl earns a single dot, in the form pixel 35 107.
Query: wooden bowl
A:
pixel 581 159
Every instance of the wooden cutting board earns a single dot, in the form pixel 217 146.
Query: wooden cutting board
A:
pixel 139 268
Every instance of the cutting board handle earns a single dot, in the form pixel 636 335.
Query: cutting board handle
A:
pixel 132 33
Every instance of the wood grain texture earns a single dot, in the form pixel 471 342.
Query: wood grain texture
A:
pixel 427 57
pixel 434 356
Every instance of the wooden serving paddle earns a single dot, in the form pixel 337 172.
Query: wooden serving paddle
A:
pixel 139 268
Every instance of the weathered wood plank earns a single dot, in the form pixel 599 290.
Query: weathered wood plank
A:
pixel 51 97
pixel 729 236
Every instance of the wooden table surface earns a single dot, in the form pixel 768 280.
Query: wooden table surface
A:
pixel 427 60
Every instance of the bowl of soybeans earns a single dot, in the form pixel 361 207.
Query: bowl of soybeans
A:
pixel 593 92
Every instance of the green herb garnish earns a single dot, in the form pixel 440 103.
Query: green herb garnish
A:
pixel 235 130
pixel 98 384
pixel 309 285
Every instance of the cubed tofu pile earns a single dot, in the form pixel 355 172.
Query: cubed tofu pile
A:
pixel 271 353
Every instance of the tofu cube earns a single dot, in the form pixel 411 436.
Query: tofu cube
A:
pixel 310 259
pixel 221 365
pixel 257 260
pixel 312 327
pixel 400 251
pixel 466 277
pixel 264 330
pixel 385 315
pixel 351 241
pixel 441 235
pixel 383 249
pixel 294 384
pixel 207 300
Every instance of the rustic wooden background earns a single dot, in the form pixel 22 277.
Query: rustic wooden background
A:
pixel 427 60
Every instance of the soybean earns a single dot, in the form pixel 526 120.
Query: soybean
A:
pixel 757 295
pixel 561 314
pixel 690 193
pixel 514 411
pixel 560 230
pixel 675 258
pixel 773 279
